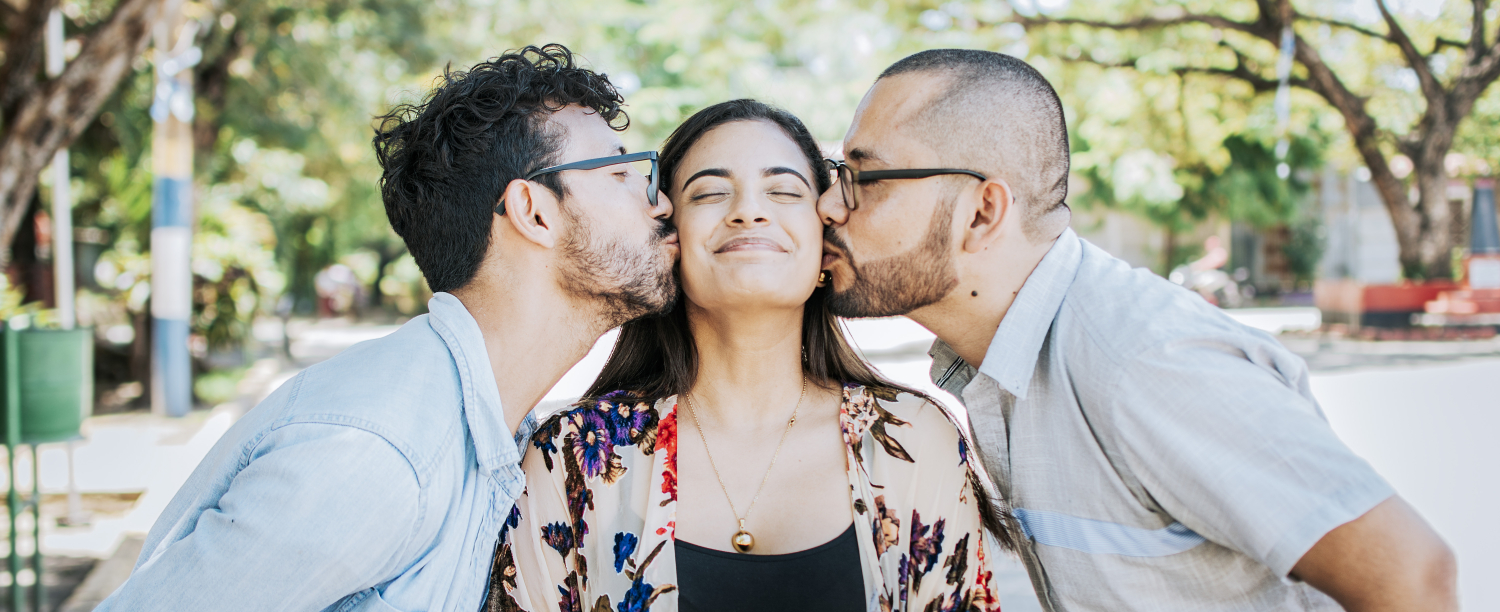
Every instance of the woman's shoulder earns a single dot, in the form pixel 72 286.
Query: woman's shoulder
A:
pixel 914 409
pixel 595 436
pixel 620 417
pixel 910 419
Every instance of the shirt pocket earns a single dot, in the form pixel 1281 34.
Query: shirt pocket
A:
pixel 372 602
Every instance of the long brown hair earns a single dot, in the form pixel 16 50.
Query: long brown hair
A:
pixel 655 357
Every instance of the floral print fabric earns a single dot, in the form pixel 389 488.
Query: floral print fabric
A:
pixel 594 531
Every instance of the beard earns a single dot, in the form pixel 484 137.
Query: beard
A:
pixel 901 283
pixel 626 279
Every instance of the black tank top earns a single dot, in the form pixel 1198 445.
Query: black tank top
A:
pixel 827 578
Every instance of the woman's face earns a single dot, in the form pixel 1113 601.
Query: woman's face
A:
pixel 746 217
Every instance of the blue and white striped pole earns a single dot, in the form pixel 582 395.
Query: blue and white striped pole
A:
pixel 172 215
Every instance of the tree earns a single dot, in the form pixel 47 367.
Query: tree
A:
pixel 1237 41
pixel 39 116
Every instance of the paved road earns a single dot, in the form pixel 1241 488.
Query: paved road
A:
pixel 1431 431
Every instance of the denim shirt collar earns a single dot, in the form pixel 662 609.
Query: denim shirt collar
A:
pixel 494 445
pixel 1013 352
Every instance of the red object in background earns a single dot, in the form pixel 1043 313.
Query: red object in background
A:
pixel 1474 301
pixel 1483 299
pixel 1403 297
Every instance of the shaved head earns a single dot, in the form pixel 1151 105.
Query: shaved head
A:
pixel 995 114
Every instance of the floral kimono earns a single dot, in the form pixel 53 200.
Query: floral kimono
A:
pixel 595 530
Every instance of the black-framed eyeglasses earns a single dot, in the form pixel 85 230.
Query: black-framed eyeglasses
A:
pixel 600 162
pixel 849 178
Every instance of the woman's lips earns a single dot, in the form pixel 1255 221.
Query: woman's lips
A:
pixel 750 243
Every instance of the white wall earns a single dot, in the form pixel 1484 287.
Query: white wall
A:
pixel 1361 239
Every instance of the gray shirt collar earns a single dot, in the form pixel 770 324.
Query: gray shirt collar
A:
pixel 494 445
pixel 1011 358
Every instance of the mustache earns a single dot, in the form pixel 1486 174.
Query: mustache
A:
pixel 832 238
pixel 663 231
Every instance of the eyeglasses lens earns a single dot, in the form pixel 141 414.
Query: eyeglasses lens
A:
pixel 847 183
pixel 647 169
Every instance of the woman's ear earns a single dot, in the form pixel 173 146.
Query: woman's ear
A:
pixel 531 211
pixel 988 218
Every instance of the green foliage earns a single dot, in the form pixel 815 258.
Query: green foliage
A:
pixel 218 386
pixel 286 180
pixel 1304 248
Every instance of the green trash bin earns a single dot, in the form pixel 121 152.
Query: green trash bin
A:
pixel 46 389
pixel 55 368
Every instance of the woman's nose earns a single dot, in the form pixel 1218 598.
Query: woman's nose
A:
pixel 748 209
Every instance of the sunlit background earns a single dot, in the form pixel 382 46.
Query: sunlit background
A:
pixel 1201 151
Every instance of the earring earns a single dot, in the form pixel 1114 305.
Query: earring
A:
pixel 824 277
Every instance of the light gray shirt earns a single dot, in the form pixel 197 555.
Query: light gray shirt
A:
pixel 1157 454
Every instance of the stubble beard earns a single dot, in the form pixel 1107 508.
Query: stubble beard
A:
pixel 901 283
pixel 626 280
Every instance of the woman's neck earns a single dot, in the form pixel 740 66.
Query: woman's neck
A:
pixel 749 366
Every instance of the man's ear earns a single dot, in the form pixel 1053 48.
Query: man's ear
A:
pixel 988 218
pixel 531 210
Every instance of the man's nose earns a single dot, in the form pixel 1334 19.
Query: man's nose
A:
pixel 663 208
pixel 831 207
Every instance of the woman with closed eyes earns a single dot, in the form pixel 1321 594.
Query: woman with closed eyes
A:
pixel 737 454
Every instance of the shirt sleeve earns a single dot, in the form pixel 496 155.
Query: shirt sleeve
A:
pixel 1224 436
pixel 319 513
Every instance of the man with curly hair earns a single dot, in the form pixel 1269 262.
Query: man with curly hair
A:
pixel 380 479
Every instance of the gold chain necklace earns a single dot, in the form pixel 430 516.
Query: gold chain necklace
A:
pixel 743 541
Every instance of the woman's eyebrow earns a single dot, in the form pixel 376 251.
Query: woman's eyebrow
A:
pixel 719 172
pixel 773 171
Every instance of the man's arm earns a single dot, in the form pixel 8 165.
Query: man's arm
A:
pixel 321 512
pixel 1222 439
pixel 1387 560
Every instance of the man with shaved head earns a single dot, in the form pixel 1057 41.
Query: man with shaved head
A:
pixel 1154 454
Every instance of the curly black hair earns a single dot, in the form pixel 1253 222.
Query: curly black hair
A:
pixel 446 162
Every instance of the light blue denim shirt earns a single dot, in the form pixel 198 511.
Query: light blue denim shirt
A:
pixel 377 480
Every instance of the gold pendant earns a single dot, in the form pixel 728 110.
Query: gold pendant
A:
pixel 742 540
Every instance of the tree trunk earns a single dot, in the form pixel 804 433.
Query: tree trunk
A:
pixel 50 115
pixel 1432 257
pixel 1168 250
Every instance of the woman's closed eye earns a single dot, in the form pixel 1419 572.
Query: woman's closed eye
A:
pixel 706 197
pixel 785 189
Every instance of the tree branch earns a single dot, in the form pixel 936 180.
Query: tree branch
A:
pixel 1431 89
pixel 1242 71
pixel 1439 42
pixel 1144 23
pixel 1245 72
pixel 1343 24
pixel 50 117
pixel 8 12
pixel 1482 70
pixel 23 56
pixel 1476 28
